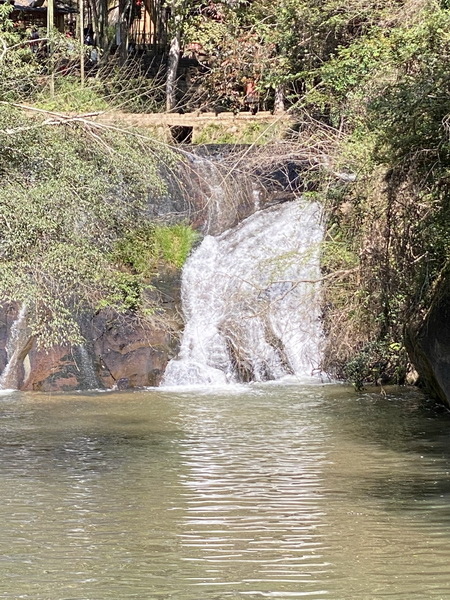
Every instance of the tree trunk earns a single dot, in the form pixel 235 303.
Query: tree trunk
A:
pixel 99 11
pixel 279 103
pixel 123 30
pixel 50 45
pixel 172 70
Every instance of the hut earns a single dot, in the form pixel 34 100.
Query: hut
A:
pixel 33 13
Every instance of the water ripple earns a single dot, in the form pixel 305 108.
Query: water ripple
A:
pixel 279 492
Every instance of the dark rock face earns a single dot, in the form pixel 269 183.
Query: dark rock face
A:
pixel 120 352
pixel 429 347
pixel 129 354
pixel 51 371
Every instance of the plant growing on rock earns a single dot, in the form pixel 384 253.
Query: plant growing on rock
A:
pixel 70 193
pixel 386 94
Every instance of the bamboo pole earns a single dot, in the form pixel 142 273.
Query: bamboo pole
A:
pixel 81 19
pixel 50 26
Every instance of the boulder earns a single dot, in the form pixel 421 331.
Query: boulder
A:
pixel 428 345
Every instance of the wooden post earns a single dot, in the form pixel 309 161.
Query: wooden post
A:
pixel 81 15
pixel 50 27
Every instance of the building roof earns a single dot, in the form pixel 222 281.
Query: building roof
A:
pixel 40 6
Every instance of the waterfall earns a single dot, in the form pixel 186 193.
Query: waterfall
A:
pixel 251 300
pixel 226 197
pixel 17 347
pixel 87 377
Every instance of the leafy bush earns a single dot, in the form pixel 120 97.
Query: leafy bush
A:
pixel 18 66
pixel 68 194
pixel 144 248
pixel 377 363
pixel 71 96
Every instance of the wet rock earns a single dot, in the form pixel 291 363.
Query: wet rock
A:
pixel 125 353
pixel 428 344
pixel 123 384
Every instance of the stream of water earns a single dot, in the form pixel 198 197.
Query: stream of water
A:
pixel 251 300
pixel 286 490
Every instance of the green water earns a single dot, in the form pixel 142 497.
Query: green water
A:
pixel 275 491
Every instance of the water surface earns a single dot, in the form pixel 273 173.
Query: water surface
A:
pixel 263 491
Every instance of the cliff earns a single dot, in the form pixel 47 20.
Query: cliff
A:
pixel 428 344
pixel 207 190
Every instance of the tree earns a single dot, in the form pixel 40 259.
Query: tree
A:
pixel 279 44
pixel 180 12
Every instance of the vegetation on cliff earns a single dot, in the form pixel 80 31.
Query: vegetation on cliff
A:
pixel 73 198
pixel 369 85
pixel 386 94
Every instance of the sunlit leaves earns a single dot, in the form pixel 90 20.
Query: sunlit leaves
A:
pixel 68 195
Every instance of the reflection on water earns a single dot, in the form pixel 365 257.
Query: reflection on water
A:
pixel 270 491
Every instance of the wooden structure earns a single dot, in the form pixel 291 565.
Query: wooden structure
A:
pixel 33 13
pixel 147 19
pixel 146 23
pixel 141 24
pixel 149 28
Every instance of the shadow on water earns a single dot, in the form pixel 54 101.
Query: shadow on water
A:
pixel 409 434
pixel 75 434
pixel 403 420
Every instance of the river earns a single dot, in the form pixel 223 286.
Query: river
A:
pixel 261 491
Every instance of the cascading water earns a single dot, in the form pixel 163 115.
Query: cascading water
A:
pixel 16 349
pixel 88 379
pixel 251 300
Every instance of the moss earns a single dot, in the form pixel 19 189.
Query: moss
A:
pixel 241 132
pixel 144 248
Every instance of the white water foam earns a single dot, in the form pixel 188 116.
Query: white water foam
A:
pixel 17 340
pixel 251 301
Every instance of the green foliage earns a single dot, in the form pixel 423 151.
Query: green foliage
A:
pixel 68 194
pixel 145 248
pixel 133 92
pixel 258 133
pixel 377 363
pixel 130 86
pixel 409 112
pixel 347 78
pixel 336 254
pixel 215 134
pixel 124 88
pixel 18 66
pixel 173 243
pixel 127 293
pixel 283 43
pixel 71 96
pixel 388 93
pixel 136 250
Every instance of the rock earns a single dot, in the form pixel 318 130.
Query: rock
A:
pixel 412 377
pixel 428 345
pixel 118 355
pixel 123 353
pixel 123 384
